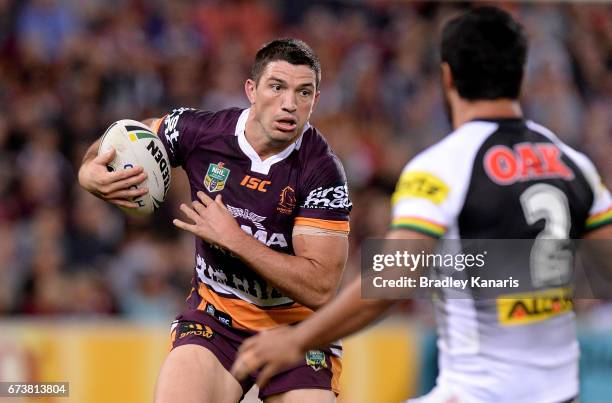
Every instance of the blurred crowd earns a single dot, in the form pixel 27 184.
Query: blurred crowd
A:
pixel 69 68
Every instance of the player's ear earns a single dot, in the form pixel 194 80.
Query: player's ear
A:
pixel 249 89
pixel 316 99
pixel 447 76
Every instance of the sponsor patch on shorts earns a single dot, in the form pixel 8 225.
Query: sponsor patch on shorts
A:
pixel 193 329
pixel 220 316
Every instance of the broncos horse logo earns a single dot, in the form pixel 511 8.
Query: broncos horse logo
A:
pixel 287 200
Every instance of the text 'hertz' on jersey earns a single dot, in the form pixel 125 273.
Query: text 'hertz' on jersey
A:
pixel 304 184
pixel 504 179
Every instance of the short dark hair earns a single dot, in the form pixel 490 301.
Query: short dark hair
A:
pixel 486 51
pixel 291 50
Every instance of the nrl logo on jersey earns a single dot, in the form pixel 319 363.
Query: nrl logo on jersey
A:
pixel 216 176
pixel 315 359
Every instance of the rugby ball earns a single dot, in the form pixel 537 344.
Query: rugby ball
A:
pixel 136 145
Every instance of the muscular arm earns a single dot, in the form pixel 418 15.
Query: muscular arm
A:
pixel 344 316
pixel 310 277
pixel 348 313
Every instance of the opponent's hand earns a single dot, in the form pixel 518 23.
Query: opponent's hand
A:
pixel 114 187
pixel 211 221
pixel 271 352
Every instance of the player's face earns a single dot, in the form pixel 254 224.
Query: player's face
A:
pixel 282 101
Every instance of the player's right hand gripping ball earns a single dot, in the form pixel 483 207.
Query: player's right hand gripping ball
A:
pixel 136 145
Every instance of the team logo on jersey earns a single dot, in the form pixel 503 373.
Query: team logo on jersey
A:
pixel 287 201
pixel 333 197
pixel 423 185
pixel 216 176
pixel 315 359
pixel 525 161
pixel 194 329
pixel 534 307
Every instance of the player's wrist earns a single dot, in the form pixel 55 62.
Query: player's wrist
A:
pixel 84 178
pixel 299 338
pixel 237 242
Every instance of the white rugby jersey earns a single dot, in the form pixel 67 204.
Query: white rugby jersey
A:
pixel 503 179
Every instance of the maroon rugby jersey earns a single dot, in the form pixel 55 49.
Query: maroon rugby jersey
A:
pixel 304 184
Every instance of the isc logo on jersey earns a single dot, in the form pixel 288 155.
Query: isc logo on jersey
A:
pixel 136 145
pixel 333 197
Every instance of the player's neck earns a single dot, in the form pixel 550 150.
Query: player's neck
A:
pixel 263 146
pixel 465 111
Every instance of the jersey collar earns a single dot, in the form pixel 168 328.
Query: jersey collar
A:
pixel 257 164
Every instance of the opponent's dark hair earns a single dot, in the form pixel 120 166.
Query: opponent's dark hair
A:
pixel 486 51
pixel 291 50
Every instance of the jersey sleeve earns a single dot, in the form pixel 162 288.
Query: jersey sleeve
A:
pixel 325 201
pixel 179 132
pixel 422 199
pixel 600 214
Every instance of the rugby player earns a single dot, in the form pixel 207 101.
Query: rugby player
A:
pixel 269 210
pixel 496 176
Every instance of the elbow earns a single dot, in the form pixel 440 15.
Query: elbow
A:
pixel 324 285
pixel 322 297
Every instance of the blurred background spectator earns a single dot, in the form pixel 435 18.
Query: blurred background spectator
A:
pixel 69 68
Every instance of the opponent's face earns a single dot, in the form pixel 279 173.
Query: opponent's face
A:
pixel 282 101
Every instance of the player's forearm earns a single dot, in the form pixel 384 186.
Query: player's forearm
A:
pixel 347 314
pixel 595 252
pixel 301 279
pixel 91 152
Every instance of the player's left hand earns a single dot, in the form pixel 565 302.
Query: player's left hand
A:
pixel 271 352
pixel 211 220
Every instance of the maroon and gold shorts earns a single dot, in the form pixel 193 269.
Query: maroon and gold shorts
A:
pixel 319 370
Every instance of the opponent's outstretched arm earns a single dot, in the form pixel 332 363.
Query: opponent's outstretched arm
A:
pixel 595 249
pixel 281 348
pixel 278 349
pixel 310 277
